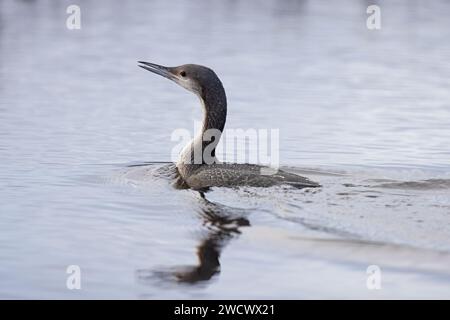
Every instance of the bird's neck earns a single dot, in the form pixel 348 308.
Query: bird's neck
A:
pixel 214 103
pixel 202 149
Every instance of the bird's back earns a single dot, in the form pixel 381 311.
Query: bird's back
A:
pixel 232 175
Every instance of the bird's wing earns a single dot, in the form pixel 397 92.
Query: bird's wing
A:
pixel 228 175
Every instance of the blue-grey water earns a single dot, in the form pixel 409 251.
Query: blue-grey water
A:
pixel 364 112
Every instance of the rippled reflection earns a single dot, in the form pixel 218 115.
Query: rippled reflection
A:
pixel 222 224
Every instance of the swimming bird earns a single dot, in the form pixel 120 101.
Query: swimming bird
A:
pixel 197 164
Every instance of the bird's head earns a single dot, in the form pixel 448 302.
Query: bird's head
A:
pixel 195 78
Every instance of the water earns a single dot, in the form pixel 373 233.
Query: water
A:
pixel 365 113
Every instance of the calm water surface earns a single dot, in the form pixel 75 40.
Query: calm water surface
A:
pixel 365 113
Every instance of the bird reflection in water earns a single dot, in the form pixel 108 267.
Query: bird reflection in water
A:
pixel 223 224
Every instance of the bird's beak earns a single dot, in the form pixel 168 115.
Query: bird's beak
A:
pixel 155 68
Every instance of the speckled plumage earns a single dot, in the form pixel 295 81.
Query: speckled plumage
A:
pixel 233 175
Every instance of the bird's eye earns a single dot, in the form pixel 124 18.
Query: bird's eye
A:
pixel 183 74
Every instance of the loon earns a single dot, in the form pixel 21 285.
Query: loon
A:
pixel 206 172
